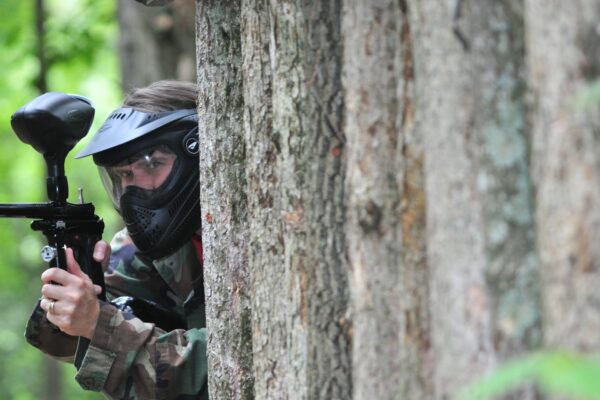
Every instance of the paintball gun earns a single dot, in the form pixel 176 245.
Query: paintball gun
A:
pixel 52 124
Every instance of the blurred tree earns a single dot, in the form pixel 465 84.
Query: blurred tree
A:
pixel 156 43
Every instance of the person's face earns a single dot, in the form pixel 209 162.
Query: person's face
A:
pixel 148 172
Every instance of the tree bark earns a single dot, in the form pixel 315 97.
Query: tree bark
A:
pixel 265 240
pixel 223 191
pixel 386 205
pixel 292 61
pixel 384 229
pixel 480 236
pixel 564 60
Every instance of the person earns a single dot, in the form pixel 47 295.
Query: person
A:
pixel 147 154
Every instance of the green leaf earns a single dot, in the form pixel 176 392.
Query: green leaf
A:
pixel 554 372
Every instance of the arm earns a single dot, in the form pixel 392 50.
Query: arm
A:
pixel 128 357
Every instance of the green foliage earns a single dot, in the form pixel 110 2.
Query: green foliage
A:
pixel 556 373
pixel 82 58
pixel 589 96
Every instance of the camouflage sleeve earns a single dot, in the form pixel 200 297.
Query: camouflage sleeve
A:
pixel 48 338
pixel 128 358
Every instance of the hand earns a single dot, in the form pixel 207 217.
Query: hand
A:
pixel 76 307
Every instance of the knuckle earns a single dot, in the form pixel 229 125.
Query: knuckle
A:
pixel 67 321
pixel 68 313
pixel 79 284
pixel 44 291
pixel 76 297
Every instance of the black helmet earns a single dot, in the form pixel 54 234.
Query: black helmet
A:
pixel 148 163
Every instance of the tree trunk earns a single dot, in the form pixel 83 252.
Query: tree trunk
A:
pixel 223 200
pixel 265 249
pixel 53 379
pixel 292 79
pixel 386 205
pixel 374 236
pixel 40 33
pixel 156 42
pixel 564 60
pixel 469 75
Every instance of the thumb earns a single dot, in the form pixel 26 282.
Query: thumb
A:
pixel 102 253
pixel 72 264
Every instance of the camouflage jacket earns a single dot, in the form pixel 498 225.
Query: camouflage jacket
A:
pixel 129 358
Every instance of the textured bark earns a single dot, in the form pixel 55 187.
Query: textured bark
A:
pixel 223 200
pixel 265 241
pixel 292 55
pixel 480 244
pixel 564 59
pixel 416 213
pixel 324 268
pixel 156 42
pixel 386 205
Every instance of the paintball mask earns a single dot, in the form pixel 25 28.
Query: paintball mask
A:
pixel 148 163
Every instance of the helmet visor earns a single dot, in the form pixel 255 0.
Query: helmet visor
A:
pixel 146 170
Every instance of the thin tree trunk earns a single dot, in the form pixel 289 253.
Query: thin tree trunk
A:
pixel 265 241
pixel 564 60
pixel 53 377
pixel 223 200
pixel 320 151
pixel 53 382
pixel 40 30
pixel 386 205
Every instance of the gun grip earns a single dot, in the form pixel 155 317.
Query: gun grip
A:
pixel 83 250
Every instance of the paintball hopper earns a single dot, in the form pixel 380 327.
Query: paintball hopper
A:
pixel 52 124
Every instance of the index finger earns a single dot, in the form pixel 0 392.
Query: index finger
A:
pixel 58 276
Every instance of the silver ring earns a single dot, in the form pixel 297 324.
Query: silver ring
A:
pixel 51 306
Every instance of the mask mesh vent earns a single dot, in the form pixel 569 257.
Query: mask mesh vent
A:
pixel 144 218
pixel 149 232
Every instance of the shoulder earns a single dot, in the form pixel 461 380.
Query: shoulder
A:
pixel 120 239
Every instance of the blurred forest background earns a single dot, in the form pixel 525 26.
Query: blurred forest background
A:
pixel 72 46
